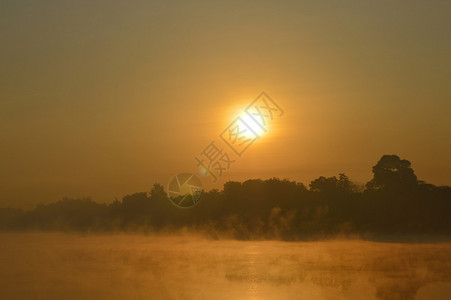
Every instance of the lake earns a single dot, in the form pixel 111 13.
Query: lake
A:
pixel 187 266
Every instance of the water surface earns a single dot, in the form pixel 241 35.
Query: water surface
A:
pixel 69 266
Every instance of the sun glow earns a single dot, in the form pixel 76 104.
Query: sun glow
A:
pixel 252 128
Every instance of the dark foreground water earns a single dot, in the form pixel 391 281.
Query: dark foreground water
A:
pixel 67 266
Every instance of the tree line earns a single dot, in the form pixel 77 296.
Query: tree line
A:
pixel 393 203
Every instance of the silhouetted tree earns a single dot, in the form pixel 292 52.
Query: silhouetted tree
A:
pixel 332 185
pixel 392 172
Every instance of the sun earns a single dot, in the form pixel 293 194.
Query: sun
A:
pixel 251 128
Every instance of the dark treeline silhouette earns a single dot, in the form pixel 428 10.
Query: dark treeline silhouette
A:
pixel 393 203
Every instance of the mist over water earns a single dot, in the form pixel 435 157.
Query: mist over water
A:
pixel 125 266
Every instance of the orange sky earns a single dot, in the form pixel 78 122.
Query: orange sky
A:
pixel 103 99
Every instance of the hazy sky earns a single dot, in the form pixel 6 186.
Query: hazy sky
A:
pixel 104 98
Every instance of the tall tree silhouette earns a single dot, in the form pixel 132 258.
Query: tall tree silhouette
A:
pixel 392 172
